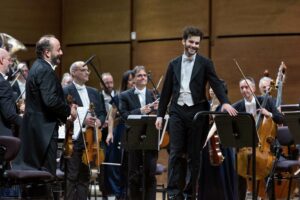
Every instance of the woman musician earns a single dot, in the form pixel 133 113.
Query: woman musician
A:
pixel 217 180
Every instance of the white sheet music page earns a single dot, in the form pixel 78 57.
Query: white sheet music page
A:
pixel 81 113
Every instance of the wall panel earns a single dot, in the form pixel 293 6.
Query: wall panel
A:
pixel 109 58
pixel 235 17
pixel 254 56
pixel 28 20
pixel 157 19
pixel 96 21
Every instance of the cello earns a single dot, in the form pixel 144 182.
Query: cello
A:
pixel 264 156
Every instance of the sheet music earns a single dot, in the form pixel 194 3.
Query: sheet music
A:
pixel 81 114
pixel 61 132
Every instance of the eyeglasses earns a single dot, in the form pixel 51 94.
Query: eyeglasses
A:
pixel 141 75
pixel 85 70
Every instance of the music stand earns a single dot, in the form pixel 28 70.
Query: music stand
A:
pixel 237 131
pixel 141 135
pixel 292 119
pixel 290 107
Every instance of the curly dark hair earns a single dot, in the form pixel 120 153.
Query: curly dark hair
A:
pixel 191 31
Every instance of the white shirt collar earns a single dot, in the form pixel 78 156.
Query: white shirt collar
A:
pixel 189 59
pixel 4 76
pixel 52 66
pixel 137 91
pixel 79 87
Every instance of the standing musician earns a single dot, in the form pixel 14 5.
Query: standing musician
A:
pixel 8 110
pixel 136 101
pixel 19 85
pixel 248 104
pixel 185 81
pixel 45 109
pixel 78 174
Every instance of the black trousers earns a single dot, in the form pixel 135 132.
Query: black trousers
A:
pixel 135 174
pixel 78 177
pixel 186 141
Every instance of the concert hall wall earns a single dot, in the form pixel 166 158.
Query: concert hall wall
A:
pixel 258 34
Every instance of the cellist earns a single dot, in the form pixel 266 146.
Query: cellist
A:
pixel 78 174
pixel 250 105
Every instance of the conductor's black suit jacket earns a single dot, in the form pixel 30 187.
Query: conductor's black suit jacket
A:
pixel 203 72
pixel 45 108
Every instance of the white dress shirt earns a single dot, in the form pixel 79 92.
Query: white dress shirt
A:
pixel 142 96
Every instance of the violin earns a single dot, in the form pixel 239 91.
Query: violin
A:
pixel 69 130
pixel 93 155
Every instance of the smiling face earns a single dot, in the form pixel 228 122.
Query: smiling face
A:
pixel 141 79
pixel 191 45
pixel 80 73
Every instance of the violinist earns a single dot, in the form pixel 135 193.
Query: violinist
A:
pixel 78 174
pixel 248 104
pixel 8 110
pixel 138 101
pixel 217 181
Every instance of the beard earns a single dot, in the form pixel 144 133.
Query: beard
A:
pixel 55 60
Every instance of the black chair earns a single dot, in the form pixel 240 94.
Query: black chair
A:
pixel 287 164
pixel 26 179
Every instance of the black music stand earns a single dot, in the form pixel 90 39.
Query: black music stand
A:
pixel 292 119
pixel 237 132
pixel 141 135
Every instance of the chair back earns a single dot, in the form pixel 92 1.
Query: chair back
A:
pixel 9 147
pixel 284 136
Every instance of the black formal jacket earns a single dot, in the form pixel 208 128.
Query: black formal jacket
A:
pixel 129 102
pixel 8 112
pixel 277 116
pixel 45 109
pixel 94 97
pixel 203 72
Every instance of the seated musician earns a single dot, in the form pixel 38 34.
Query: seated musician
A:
pixel 137 101
pixel 250 105
pixel 78 174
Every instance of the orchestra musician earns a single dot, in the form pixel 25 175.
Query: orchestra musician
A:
pixel 10 121
pixel 45 108
pixel 137 101
pixel 78 173
pixel 248 104
pixel 116 176
pixel 185 82
pixel 217 181
pixel 19 85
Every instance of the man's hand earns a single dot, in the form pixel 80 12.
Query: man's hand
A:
pixel 73 112
pixel 231 111
pixel 158 123
pixel 145 109
pixel 265 112
pixel 92 121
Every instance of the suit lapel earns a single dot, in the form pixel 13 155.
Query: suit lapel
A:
pixel 149 98
pixel 135 98
pixel 196 67
pixel 177 68
pixel 75 95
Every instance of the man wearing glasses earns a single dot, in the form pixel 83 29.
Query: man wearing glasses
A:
pixel 78 175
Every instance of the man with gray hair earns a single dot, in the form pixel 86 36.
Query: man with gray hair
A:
pixel 78 173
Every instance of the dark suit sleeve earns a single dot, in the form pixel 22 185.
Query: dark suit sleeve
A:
pixel 52 94
pixel 215 83
pixel 7 105
pixel 166 92
pixel 126 107
pixel 277 116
